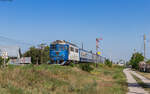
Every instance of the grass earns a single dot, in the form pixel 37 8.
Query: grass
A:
pixel 54 79
pixel 145 74
pixel 141 83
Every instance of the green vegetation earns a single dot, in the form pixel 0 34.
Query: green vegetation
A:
pixel 39 55
pixel 2 61
pixel 135 59
pixel 86 67
pixel 54 79
pixel 108 63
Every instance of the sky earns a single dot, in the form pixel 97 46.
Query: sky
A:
pixel 121 23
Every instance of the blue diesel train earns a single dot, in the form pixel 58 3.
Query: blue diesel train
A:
pixel 63 52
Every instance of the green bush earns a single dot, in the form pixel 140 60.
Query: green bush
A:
pixel 86 67
pixel 72 64
pixel 108 63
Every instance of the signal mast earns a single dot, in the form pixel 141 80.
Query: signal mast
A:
pixel 97 47
pixel 144 46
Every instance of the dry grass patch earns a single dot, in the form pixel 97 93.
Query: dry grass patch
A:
pixel 53 79
pixel 147 75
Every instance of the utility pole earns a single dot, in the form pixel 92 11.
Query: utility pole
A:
pixel 82 45
pixel 41 47
pixel 144 46
pixel 134 53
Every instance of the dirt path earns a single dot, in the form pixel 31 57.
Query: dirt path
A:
pixel 133 86
pixel 145 80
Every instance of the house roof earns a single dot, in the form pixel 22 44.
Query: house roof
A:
pixel 12 51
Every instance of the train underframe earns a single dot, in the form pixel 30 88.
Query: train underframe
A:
pixel 62 62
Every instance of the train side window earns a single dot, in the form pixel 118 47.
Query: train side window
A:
pixel 66 48
pixel 72 49
pixel 77 50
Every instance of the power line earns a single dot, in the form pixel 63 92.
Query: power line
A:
pixel 3 38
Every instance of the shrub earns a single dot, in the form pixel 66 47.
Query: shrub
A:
pixel 72 64
pixel 101 65
pixel 86 67
pixel 108 63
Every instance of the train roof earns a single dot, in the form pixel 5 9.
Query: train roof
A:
pixel 63 42
pixel 86 50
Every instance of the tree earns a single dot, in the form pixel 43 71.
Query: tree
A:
pixel 108 63
pixel 45 54
pixel 135 59
pixel 2 61
pixel 38 55
pixel 34 54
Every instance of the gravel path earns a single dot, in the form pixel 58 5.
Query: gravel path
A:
pixel 145 80
pixel 133 86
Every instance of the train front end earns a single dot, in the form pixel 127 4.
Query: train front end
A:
pixel 59 53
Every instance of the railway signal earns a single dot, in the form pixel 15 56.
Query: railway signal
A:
pixel 99 53
pixel 97 46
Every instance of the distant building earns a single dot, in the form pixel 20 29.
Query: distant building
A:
pixel 121 63
pixel 20 61
pixel 14 53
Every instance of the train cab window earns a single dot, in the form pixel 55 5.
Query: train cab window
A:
pixel 72 49
pixel 77 50
pixel 53 47
pixel 61 47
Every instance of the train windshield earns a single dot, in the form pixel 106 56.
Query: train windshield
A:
pixel 58 47
pixel 53 47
